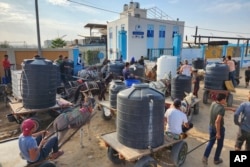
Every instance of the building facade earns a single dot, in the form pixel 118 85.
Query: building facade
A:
pixel 133 34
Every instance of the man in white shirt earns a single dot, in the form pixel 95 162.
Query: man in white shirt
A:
pixel 176 121
pixel 186 69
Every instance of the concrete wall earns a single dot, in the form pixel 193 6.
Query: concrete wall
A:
pixel 17 55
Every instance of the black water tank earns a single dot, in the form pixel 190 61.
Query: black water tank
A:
pixel 216 75
pixel 115 87
pixel 198 63
pixel 137 69
pixel 140 117
pixel 116 67
pixel 179 85
pixel 39 83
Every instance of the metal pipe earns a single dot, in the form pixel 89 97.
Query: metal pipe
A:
pixel 38 30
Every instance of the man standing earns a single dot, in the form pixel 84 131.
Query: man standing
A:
pixel 59 60
pixel 6 67
pixel 186 69
pixel 231 66
pixel 216 129
pixel 141 61
pixel 244 125
pixel 196 82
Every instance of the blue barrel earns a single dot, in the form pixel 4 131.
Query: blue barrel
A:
pixel 130 82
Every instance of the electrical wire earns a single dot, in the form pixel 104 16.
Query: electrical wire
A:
pixel 163 21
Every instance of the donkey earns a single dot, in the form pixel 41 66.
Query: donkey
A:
pixel 75 118
pixel 188 103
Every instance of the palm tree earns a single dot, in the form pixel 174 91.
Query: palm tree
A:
pixel 58 43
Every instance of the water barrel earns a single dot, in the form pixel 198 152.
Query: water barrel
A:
pixel 130 82
pixel 165 65
pixel 140 117
pixel 179 85
pixel 198 63
pixel 39 83
pixel 137 69
pixel 115 87
pixel 116 67
pixel 216 75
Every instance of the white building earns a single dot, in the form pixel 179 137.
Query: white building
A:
pixel 135 35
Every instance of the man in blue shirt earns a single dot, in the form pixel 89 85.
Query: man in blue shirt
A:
pixel 126 73
pixel 244 125
pixel 33 146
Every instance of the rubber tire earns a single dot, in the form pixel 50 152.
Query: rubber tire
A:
pixel 230 100
pixel 146 161
pixel 47 164
pixel 104 116
pixel 113 156
pixel 205 96
pixel 196 108
pixel 179 153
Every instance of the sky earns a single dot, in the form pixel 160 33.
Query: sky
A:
pixel 66 18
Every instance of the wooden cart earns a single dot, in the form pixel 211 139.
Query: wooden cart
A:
pixel 212 94
pixel 19 113
pixel 107 111
pixel 119 153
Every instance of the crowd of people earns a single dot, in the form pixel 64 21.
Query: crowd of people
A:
pixel 34 147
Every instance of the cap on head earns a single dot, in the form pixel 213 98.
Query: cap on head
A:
pixel 27 126
pixel 177 103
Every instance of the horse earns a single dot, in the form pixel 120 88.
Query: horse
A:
pixel 75 118
pixel 94 87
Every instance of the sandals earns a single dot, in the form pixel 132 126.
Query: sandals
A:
pixel 56 155
pixel 218 161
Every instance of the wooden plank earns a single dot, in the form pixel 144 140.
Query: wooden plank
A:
pixel 18 108
pixel 131 154
pixel 106 104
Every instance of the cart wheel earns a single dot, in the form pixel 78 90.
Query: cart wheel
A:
pixel 146 161
pixel 205 96
pixel 114 156
pixel 106 113
pixel 37 122
pixel 230 100
pixel 196 109
pixel 179 153
pixel 47 164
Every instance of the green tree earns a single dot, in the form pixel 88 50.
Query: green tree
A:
pixel 58 43
pixel 5 44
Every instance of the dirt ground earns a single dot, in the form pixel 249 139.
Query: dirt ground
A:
pixel 94 153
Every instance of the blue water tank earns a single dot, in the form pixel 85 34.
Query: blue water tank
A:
pixel 39 83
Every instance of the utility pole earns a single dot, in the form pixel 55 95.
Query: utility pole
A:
pixel 38 30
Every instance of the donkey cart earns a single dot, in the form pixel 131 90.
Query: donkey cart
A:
pixel 107 111
pixel 119 153
pixel 212 94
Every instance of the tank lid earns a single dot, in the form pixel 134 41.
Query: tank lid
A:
pixel 140 86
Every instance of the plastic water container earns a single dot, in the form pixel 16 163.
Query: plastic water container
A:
pixel 130 82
